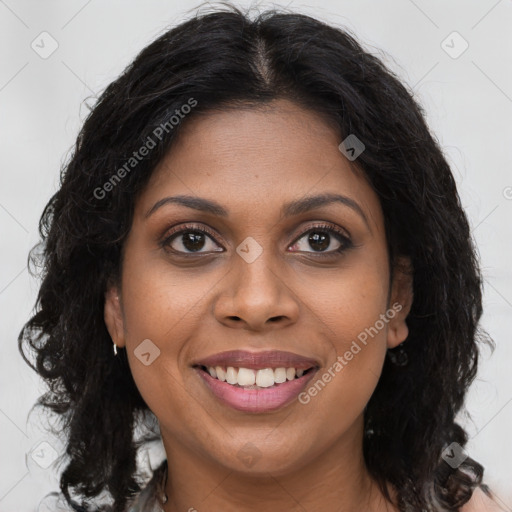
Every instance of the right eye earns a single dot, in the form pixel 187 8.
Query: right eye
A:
pixel 188 239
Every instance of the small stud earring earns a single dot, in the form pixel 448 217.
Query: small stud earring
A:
pixel 115 349
pixel 398 356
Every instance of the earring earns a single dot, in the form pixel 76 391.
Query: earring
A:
pixel 398 355
pixel 115 349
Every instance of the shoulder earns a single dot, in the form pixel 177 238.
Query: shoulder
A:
pixel 481 502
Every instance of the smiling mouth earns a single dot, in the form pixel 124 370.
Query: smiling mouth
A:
pixel 261 390
pixel 247 378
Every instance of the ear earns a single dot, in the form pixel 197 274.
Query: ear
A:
pixel 400 301
pixel 113 316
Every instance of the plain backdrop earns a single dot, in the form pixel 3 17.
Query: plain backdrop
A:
pixel 462 79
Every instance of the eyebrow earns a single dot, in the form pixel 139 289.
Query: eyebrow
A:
pixel 289 209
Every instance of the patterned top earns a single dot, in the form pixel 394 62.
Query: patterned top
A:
pixel 152 497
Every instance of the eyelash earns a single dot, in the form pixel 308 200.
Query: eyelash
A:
pixel 345 241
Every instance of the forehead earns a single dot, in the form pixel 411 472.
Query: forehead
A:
pixel 252 158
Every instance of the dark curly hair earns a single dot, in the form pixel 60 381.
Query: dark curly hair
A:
pixel 224 59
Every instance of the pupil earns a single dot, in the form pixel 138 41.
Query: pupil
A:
pixel 320 239
pixel 193 241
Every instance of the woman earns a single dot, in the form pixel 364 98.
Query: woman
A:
pixel 302 347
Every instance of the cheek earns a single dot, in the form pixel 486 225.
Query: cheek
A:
pixel 165 308
pixel 357 333
pixel 350 299
pixel 351 311
pixel 162 302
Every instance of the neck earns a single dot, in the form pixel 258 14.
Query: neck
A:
pixel 335 479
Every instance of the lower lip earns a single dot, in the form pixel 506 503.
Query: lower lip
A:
pixel 256 400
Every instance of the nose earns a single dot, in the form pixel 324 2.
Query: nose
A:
pixel 255 297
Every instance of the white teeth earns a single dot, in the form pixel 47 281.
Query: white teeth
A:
pixel 231 375
pixel 280 375
pixel 246 377
pixel 221 374
pixel 263 378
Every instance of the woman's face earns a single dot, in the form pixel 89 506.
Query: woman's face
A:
pixel 312 282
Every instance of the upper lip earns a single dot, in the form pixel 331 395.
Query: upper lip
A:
pixel 258 360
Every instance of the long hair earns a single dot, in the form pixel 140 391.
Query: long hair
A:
pixel 225 59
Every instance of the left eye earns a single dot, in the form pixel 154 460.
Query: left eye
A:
pixel 320 238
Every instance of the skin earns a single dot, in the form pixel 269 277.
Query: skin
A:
pixel 309 455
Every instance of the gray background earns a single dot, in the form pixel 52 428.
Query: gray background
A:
pixel 468 104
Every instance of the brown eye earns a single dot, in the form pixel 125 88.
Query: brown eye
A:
pixel 189 240
pixel 321 238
